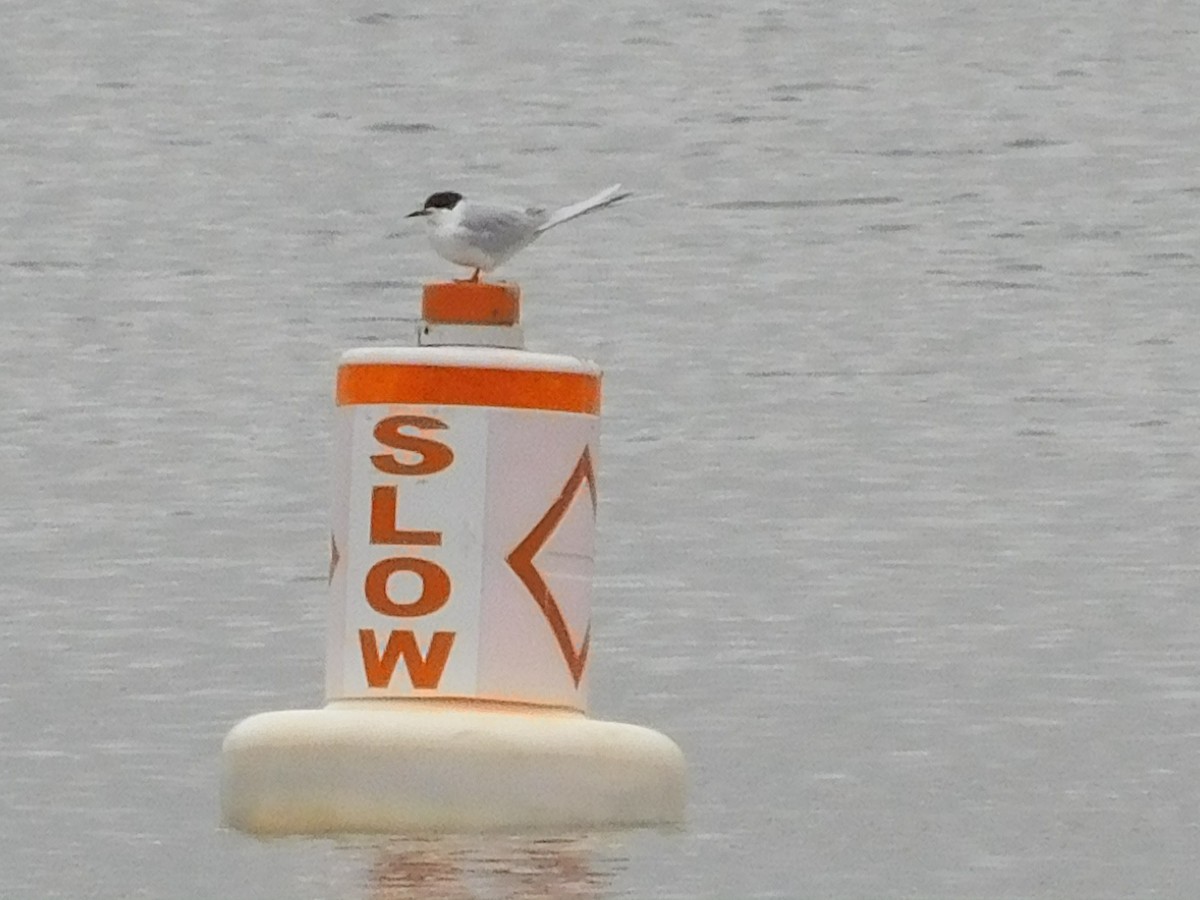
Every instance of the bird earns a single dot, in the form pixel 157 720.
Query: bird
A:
pixel 482 236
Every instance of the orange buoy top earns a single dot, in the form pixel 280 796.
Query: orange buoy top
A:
pixel 471 303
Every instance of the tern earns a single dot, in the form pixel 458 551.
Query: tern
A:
pixel 482 236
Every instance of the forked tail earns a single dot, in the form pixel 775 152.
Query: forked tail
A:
pixel 606 197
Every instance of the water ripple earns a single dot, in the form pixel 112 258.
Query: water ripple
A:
pixel 804 204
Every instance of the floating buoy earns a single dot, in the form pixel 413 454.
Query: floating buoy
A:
pixel 460 584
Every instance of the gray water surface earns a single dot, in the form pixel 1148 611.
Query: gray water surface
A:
pixel 899 479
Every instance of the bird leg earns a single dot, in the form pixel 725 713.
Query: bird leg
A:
pixel 474 278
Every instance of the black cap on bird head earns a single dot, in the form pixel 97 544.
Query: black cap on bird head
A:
pixel 440 200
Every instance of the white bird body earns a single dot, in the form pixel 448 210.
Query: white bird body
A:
pixel 483 236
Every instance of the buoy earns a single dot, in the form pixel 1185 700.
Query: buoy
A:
pixel 459 629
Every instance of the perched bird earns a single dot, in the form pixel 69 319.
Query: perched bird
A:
pixel 481 236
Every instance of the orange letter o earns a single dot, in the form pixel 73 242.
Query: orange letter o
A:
pixel 435 586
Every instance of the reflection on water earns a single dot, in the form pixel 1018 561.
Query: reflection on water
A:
pixel 462 869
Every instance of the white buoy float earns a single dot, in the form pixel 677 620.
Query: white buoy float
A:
pixel 459 626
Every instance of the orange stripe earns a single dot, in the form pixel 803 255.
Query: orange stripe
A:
pixel 362 383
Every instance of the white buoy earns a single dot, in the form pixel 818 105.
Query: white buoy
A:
pixel 459 625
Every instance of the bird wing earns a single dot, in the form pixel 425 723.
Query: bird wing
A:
pixel 606 197
pixel 499 231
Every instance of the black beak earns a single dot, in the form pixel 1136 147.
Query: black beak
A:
pixel 419 212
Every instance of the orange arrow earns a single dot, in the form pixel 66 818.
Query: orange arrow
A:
pixel 521 562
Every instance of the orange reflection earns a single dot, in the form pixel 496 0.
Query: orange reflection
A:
pixel 455 869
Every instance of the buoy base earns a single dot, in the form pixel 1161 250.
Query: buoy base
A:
pixel 431 766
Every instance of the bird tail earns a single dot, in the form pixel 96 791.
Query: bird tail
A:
pixel 606 197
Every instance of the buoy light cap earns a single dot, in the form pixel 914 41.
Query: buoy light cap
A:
pixel 471 303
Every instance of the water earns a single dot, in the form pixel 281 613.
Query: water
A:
pixel 899 478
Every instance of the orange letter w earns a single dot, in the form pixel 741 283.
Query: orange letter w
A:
pixel 423 671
